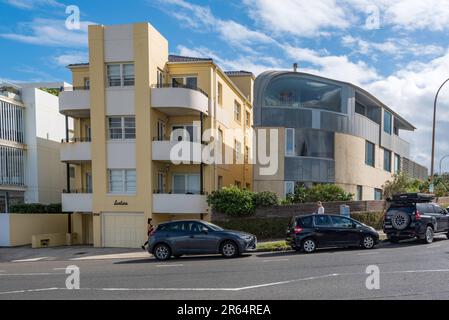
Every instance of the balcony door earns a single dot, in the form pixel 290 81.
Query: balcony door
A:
pixel 160 130
pixel 184 133
pixel 89 182
pixel 186 184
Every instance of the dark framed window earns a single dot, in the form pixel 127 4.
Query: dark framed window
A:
pixel 378 194
pixel 370 154
pixel 388 122
pixel 397 163
pixel 359 195
pixel 387 160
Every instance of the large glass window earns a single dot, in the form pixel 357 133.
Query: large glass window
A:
pixel 187 81
pixel 397 163
pixel 303 93
pixel 289 188
pixel 11 122
pixel 122 181
pixel 388 122
pixel 237 111
pixel 120 75
pixel 114 77
pixel 128 74
pixel 122 128
pixel 12 171
pixel 309 143
pixel 186 184
pixel 370 154
pixel 387 160
pixel 378 194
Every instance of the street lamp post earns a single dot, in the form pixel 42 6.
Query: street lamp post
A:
pixel 432 171
pixel 441 163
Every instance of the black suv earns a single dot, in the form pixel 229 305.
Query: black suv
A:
pixel 414 215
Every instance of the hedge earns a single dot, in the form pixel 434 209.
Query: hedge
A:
pixel 275 228
pixel 28 208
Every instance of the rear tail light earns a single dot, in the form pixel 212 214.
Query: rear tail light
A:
pixel 298 230
pixel 417 215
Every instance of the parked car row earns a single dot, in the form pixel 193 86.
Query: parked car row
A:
pixel 408 216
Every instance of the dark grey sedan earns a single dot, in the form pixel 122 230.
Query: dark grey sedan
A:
pixel 192 237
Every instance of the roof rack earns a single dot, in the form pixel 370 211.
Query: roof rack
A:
pixel 412 197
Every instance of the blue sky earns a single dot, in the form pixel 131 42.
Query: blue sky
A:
pixel 398 50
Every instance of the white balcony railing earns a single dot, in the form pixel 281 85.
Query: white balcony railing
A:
pixel 179 101
pixel 177 151
pixel 75 103
pixel 178 204
pixel 76 152
pixel 77 202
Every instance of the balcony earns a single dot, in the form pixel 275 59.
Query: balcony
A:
pixel 75 102
pixel 76 150
pixel 77 202
pixel 177 151
pixel 179 101
pixel 10 91
pixel 179 204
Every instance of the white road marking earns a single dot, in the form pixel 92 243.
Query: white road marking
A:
pixel 29 290
pixel 29 274
pixel 31 260
pixel 169 265
pixel 131 255
pixel 274 260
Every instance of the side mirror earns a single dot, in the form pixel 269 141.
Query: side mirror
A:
pixel 205 231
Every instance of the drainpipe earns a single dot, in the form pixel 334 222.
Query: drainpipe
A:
pixel 201 159
pixel 69 222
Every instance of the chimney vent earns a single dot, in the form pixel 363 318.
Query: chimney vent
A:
pixel 295 67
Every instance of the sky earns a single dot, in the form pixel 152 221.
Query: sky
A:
pixel 396 49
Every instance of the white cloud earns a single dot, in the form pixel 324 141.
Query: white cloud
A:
pixel 70 58
pixel 298 17
pixel 32 4
pixel 50 32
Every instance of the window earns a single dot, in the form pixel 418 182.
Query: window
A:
pixel 220 94
pixel 184 133
pixel 187 81
pixel 160 130
pixel 369 154
pixel 289 188
pixel 397 163
pixel 289 142
pixel 237 111
pixel 160 78
pixel 388 122
pixel 122 181
pixel 186 184
pixel 220 182
pixel 86 83
pixel 120 75
pixel 322 221
pixel 72 172
pixel 378 194
pixel 341 222
pixel 360 108
pixel 295 92
pixel 238 184
pixel 246 160
pixel 387 160
pixel 160 182
pixel 359 195
pixel 122 128
pixel 89 182
pixel 237 152
pixel 248 119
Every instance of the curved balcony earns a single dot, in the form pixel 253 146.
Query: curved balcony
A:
pixel 177 151
pixel 179 101
pixel 76 150
pixel 78 201
pixel 179 204
pixel 75 102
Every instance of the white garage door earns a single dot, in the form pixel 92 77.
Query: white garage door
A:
pixel 123 230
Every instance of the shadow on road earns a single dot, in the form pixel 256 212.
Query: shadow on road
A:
pixel 179 260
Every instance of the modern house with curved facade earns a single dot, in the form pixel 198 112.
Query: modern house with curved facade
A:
pixel 330 132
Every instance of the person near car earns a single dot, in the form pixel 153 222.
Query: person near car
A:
pixel 150 229
pixel 320 208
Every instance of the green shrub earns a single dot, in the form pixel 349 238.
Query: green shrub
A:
pixel 232 201
pixel 265 199
pixel 372 219
pixel 319 192
pixel 36 208
pixel 263 228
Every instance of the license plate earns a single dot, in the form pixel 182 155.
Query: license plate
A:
pixel 388 227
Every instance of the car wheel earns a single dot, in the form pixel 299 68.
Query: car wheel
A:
pixel 229 249
pixel 368 242
pixel 308 245
pixel 162 252
pixel 429 235
pixel 400 220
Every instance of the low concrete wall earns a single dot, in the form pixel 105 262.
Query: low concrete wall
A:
pixel 21 227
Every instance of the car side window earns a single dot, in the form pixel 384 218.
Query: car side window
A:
pixel 424 208
pixel 174 227
pixel 341 222
pixel 306 222
pixel 322 221
pixel 438 209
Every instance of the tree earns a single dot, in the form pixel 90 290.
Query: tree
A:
pixel 401 183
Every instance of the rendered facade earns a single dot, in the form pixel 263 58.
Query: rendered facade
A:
pixel 131 104
pixel 330 132
pixel 31 129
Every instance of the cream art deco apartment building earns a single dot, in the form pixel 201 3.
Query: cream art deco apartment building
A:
pixel 131 103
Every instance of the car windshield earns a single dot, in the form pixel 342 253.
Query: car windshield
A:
pixel 213 226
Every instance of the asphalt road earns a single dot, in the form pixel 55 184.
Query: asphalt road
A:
pixel 407 271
